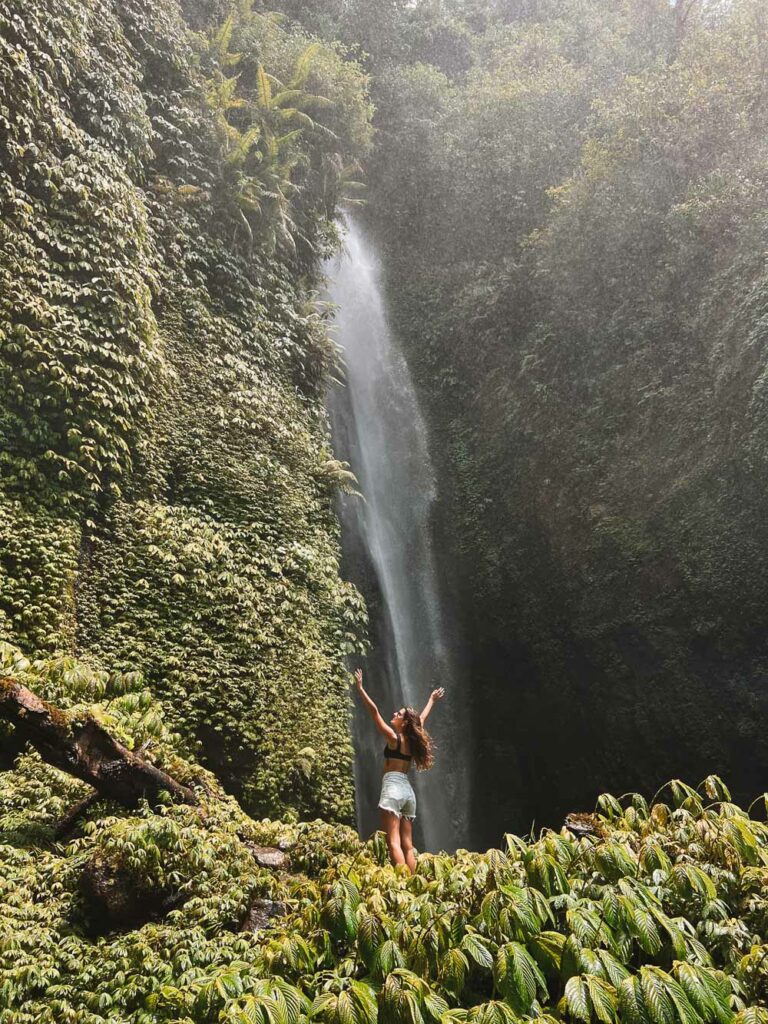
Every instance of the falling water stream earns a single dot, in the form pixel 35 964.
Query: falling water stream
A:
pixel 387 538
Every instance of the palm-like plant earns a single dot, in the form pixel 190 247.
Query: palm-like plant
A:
pixel 645 921
pixel 262 131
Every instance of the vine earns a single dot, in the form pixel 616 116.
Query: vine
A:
pixel 166 504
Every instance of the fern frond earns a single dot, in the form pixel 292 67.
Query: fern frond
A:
pixel 303 65
pixel 264 87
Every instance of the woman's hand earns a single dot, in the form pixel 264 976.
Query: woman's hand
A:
pixel 373 711
pixel 434 697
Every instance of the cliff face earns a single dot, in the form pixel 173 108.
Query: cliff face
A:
pixel 575 234
pixel 166 495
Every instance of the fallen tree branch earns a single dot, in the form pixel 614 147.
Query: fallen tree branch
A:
pixel 69 820
pixel 85 750
pixel 11 746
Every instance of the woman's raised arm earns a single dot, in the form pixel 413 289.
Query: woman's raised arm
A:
pixel 373 711
pixel 435 696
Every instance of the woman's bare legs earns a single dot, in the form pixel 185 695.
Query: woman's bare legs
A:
pixel 390 823
pixel 406 843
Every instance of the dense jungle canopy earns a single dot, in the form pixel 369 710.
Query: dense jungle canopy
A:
pixel 569 200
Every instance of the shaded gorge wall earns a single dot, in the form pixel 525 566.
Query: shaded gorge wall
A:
pixel 573 244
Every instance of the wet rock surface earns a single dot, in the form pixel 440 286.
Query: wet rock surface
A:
pixel 269 856
pixel 261 914
pixel 115 900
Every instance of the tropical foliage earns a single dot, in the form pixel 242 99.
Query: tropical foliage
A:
pixel 570 198
pixel 165 499
pixel 645 912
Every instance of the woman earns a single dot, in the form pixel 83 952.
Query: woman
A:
pixel 407 742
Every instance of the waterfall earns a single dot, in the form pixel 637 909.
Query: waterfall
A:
pixel 387 539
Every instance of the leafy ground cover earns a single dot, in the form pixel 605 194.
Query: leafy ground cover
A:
pixel 649 911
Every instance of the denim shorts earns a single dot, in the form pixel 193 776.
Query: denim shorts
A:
pixel 397 795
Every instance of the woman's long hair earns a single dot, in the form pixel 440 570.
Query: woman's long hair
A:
pixel 421 742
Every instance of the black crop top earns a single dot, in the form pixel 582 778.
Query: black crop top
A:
pixel 397 754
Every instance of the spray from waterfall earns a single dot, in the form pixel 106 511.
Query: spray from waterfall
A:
pixel 379 429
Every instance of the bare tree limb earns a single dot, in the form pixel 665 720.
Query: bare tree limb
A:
pixel 85 750
pixel 69 820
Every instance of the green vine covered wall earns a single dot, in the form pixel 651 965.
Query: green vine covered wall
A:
pixel 168 186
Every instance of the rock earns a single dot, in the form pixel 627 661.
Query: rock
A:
pixel 269 856
pixel 115 900
pixel 584 824
pixel 261 913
